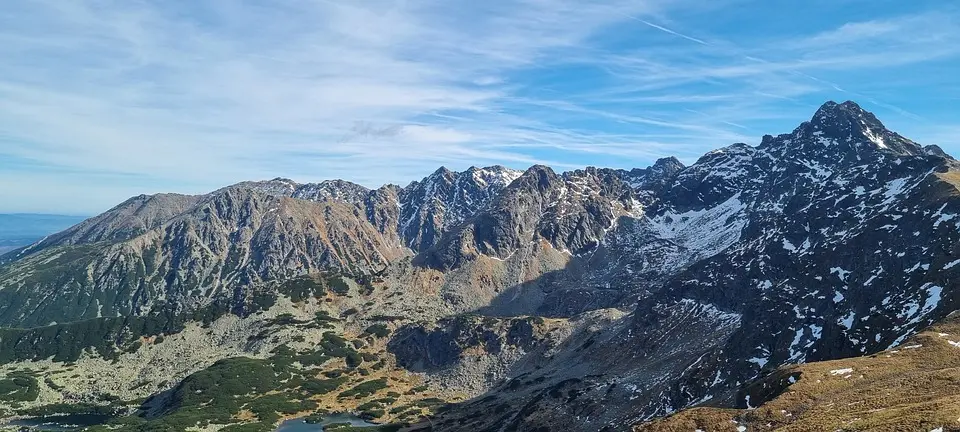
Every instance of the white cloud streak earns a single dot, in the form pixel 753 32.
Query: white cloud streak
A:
pixel 666 30
pixel 117 97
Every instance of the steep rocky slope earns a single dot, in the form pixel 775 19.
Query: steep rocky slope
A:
pixel 430 207
pixel 228 240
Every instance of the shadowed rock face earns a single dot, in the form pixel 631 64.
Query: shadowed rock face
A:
pixel 422 349
pixel 837 239
pixel 605 375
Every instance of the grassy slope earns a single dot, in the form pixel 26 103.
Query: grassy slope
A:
pixel 913 387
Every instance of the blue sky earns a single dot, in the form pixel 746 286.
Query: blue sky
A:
pixel 104 99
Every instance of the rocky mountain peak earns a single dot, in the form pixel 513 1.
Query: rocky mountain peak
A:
pixel 339 190
pixel 442 173
pixel 840 136
pixel 667 165
pixel 935 150
pixel 447 198
pixel 847 112
pixel 277 187
pixel 538 178
pixel 496 175
pixel 655 178
pixel 848 120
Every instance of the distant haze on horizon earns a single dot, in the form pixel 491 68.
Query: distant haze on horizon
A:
pixel 104 100
pixel 17 230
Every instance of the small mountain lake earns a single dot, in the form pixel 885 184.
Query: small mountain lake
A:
pixel 60 423
pixel 299 425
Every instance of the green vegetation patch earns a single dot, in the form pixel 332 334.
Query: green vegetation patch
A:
pixel 336 346
pixel 338 284
pixel 217 394
pixel 19 387
pixel 222 383
pixel 378 330
pixel 283 320
pixel 314 386
pixel 108 337
pixel 324 317
pixel 68 408
pixel 302 288
pixel 365 389
pixel 268 389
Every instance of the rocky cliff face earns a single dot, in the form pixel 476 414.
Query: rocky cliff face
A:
pixel 571 213
pixel 835 240
pixel 445 199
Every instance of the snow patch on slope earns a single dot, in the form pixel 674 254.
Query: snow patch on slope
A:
pixel 705 232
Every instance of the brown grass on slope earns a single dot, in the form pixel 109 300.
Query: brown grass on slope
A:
pixel 913 387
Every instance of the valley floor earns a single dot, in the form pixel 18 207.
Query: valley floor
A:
pixel 293 360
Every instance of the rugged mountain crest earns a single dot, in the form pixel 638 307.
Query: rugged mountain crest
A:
pixel 654 179
pixel 332 190
pixel 445 199
pixel 218 250
pixel 843 131
pixel 570 212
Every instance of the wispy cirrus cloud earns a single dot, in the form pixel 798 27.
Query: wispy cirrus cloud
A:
pixel 100 99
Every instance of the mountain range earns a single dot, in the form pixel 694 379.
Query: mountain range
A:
pixel 595 299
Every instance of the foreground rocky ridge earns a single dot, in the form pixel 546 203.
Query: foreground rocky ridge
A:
pixel 661 288
pixel 910 387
